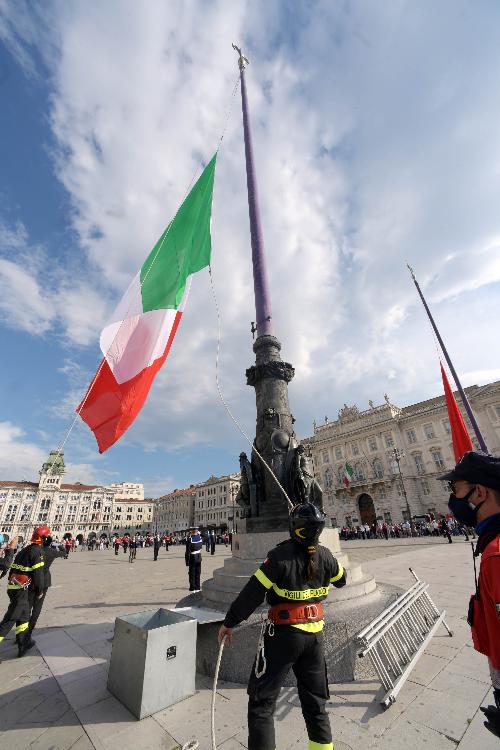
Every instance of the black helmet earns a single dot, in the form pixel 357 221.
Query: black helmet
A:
pixel 307 521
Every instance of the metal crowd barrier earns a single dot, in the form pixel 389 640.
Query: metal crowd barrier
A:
pixel 396 639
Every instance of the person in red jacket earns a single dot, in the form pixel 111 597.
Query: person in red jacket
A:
pixel 475 501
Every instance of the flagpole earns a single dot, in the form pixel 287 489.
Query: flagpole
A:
pixel 464 398
pixel 263 310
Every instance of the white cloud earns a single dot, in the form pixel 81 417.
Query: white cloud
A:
pixel 375 144
pixel 19 458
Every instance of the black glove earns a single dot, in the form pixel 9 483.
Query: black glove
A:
pixel 4 572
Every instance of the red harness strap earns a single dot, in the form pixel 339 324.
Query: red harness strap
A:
pixel 296 614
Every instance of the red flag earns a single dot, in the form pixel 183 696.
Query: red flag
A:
pixel 461 439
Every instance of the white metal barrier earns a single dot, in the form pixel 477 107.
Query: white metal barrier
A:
pixel 396 639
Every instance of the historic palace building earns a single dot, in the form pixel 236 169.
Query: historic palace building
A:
pixel 174 512
pixel 215 506
pixel 366 440
pixel 79 509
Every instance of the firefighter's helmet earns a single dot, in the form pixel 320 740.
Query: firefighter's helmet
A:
pixel 307 521
pixel 39 534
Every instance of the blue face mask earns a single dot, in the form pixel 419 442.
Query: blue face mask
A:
pixel 463 511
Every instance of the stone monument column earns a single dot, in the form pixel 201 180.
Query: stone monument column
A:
pixel 264 504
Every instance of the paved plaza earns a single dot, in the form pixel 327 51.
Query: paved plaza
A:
pixel 55 698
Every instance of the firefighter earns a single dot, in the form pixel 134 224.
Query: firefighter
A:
pixel 295 577
pixel 26 575
pixel 194 544
pixel 475 502
pixel 36 602
pixel 6 560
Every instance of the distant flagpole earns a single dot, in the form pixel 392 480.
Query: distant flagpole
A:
pixel 464 398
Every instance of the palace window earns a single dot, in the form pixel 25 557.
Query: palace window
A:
pixel 328 479
pixel 425 487
pixel 419 463
pixel 359 473
pixel 411 436
pixel 429 431
pixel 326 457
pixel 389 440
pixel 355 449
pixel 437 458
pixel 338 453
pixel 378 469
pixel 372 444
pixel 446 425
pixel 381 493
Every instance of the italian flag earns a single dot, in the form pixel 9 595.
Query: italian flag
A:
pixel 348 473
pixel 137 339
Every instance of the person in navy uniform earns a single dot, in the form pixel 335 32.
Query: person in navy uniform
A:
pixel 194 544
pixel 475 502
pixel 294 578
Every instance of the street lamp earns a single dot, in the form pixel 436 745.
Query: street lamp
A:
pixel 397 454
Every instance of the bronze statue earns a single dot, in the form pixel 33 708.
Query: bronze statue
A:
pixel 305 487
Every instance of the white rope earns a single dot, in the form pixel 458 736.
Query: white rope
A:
pixel 239 427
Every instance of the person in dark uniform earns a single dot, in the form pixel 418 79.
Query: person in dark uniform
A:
pixel 36 602
pixel 194 543
pixel 25 576
pixel 156 546
pixel 475 502
pixel 295 578
pixel 212 542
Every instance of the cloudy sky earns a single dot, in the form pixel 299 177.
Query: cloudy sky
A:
pixel 377 141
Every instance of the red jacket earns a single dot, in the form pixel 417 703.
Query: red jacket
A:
pixel 486 622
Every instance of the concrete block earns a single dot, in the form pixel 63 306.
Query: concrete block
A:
pixel 153 660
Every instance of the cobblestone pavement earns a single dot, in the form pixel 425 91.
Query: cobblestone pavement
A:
pixel 55 698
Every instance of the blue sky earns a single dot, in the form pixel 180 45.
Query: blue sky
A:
pixel 377 142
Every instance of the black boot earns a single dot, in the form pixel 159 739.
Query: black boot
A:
pixel 24 644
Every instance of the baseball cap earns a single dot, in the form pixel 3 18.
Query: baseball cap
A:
pixel 476 468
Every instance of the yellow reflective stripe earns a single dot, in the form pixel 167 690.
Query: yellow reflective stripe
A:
pixel 320 745
pixel 310 627
pixel 24 569
pixel 322 591
pixel 339 574
pixel 13 586
pixel 21 628
pixel 2 637
pixel 263 579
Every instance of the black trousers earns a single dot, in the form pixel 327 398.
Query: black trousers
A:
pixel 18 614
pixel 194 572
pixel 155 553
pixel 36 605
pixel 289 648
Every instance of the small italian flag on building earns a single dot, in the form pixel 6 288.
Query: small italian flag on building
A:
pixel 348 473
pixel 136 340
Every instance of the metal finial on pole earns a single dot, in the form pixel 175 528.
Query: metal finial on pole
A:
pixel 464 398
pixel 242 61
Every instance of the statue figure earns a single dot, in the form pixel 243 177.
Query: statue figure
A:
pixel 305 488
pixel 247 495
pixel 302 477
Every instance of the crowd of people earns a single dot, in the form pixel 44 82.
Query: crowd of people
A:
pixel 445 527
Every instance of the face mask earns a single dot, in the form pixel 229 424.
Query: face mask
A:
pixel 463 511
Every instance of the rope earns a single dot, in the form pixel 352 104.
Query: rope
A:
pixel 219 391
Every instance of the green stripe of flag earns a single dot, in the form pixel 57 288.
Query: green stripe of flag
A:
pixel 184 247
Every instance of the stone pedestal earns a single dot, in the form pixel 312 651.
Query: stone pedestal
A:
pixel 347 611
